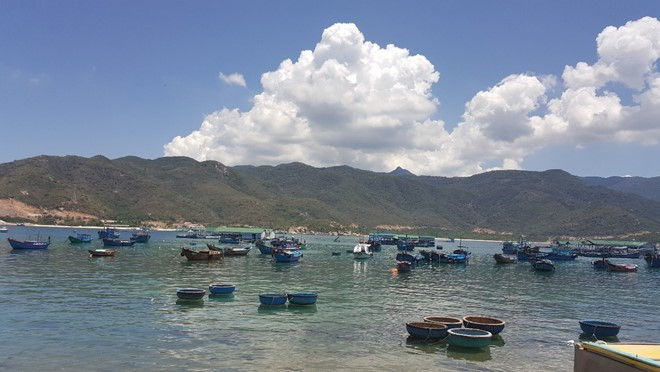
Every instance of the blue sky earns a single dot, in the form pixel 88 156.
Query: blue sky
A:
pixel 124 78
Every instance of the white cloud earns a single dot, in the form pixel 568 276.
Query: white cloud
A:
pixel 233 79
pixel 350 101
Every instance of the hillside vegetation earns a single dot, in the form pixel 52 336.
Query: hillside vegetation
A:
pixel 176 189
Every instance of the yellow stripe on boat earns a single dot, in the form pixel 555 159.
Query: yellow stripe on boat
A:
pixel 646 357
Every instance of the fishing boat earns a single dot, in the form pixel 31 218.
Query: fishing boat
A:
pixel 302 298
pixel 410 257
pixel 530 253
pixel 403 266
pixel 108 232
pixel 427 330
pixel 430 255
pixel 561 254
pixel 200 255
pixel 287 255
pixel 362 251
pixel 102 252
pixel 140 237
pixel 80 238
pixel 621 268
pixel 504 259
pixel 230 251
pixel 3 229
pixel 272 298
pixel 469 337
pixel 190 293
pixel 513 247
pixel 405 244
pixel 264 247
pixel 599 328
pixel 222 289
pixel 458 256
pixel 617 356
pixel 543 265
pixel 492 325
pixel 652 259
pixel 425 241
pixel 28 244
pixel 449 321
pixel 107 242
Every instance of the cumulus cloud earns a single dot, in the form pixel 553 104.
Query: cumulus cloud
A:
pixel 233 79
pixel 351 101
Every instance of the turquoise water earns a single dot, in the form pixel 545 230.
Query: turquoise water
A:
pixel 61 309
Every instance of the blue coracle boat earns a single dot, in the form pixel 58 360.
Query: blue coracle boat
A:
pixel 302 298
pixel 427 330
pixel 222 289
pixel 272 298
pixel 599 329
pixel 190 293
pixel 28 244
pixel 485 323
pixel 287 255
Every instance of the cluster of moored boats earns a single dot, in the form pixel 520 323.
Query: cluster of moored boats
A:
pixel 282 249
pixel 266 299
pixel 468 332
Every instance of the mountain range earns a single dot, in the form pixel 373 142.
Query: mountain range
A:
pixel 173 190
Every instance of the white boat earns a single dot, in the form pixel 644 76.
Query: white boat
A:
pixel 362 251
pixel 3 229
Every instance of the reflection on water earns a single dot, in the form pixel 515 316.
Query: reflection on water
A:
pixel 190 303
pixel 222 297
pixel 480 354
pixel 358 323
pixel 426 346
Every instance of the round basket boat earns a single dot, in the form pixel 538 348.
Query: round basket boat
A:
pixel 427 330
pixel 222 289
pixel 469 337
pixel 449 321
pixel 190 293
pixel 599 329
pixel 272 298
pixel 492 325
pixel 302 298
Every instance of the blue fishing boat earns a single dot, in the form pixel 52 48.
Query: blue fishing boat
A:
pixel 222 289
pixel 190 293
pixel 405 244
pixel 513 247
pixel 561 254
pixel 117 243
pixel 469 337
pixel 427 330
pixel 264 247
pixel 458 256
pixel 652 259
pixel 403 266
pixel 287 255
pixel 492 325
pixel 140 237
pixel 599 329
pixel 28 244
pixel 543 265
pixel 80 238
pixel 302 298
pixel 412 258
pixel 272 298
pixel 108 232
pixel 449 321
pixel 531 254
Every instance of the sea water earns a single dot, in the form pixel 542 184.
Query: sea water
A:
pixel 61 309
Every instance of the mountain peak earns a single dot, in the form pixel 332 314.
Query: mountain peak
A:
pixel 401 172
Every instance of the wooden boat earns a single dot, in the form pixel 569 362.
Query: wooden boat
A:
pixel 107 242
pixel 102 252
pixel 543 265
pixel 230 251
pixel 287 255
pixel 190 293
pixel 403 266
pixel 599 329
pixel 560 254
pixel 28 244
pixel 80 238
pixel 652 259
pixel 500 258
pixel 272 298
pixel 222 289
pixel 621 268
pixel 362 251
pixel 108 232
pixel 619 356
pixel 427 330
pixel 449 321
pixel 469 337
pixel 200 255
pixel 302 298
pixel 492 325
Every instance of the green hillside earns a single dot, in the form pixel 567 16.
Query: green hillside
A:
pixel 175 189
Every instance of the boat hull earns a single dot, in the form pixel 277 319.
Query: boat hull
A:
pixel 492 325
pixel 102 252
pixel 27 244
pixel 200 255
pixel 190 293
pixel 222 289
pixel 599 329
pixel 427 330
pixel 449 321
pixel 302 298
pixel 272 298
pixel 117 243
pixel 290 256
